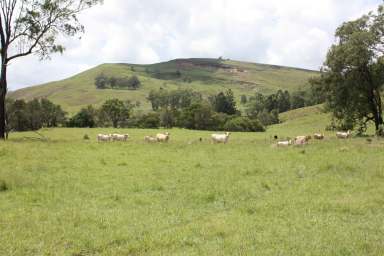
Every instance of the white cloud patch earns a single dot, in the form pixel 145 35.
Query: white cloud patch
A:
pixel 292 33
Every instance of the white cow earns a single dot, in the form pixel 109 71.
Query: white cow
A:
pixel 163 137
pixel 285 143
pixel 104 137
pixel 120 137
pixel 302 140
pixel 220 138
pixel 150 139
pixel 343 135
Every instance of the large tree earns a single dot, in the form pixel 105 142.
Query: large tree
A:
pixel 352 77
pixel 33 27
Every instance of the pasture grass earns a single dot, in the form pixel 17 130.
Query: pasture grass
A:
pixel 70 196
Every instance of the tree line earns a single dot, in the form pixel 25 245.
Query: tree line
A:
pixel 182 108
pixel 32 115
pixel 178 108
pixel 110 82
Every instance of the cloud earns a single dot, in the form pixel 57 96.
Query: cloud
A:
pixel 291 33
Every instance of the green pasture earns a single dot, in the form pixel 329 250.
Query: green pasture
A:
pixel 63 195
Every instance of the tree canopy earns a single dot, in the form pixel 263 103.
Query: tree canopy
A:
pixel 352 76
pixel 34 27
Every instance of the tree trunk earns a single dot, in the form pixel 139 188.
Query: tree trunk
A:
pixel 3 92
pixel 376 109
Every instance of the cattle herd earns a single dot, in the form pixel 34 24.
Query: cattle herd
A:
pixel 220 138
pixel 303 140
pixel 160 137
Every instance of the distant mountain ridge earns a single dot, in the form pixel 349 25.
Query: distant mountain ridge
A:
pixel 207 76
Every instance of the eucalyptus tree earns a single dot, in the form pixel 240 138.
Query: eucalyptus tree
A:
pixel 352 77
pixel 34 27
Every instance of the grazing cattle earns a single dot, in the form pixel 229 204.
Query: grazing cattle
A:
pixel 344 135
pixel 104 137
pixel 319 136
pixel 163 137
pixel 150 139
pixel 220 138
pixel 302 140
pixel 285 143
pixel 120 137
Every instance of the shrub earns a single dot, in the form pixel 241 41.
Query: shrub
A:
pixel 149 121
pixel 86 137
pixel 243 124
pixel 3 186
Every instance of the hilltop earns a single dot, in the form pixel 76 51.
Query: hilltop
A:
pixel 207 76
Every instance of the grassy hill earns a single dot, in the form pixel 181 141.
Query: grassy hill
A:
pixel 205 75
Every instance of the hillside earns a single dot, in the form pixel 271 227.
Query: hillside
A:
pixel 205 75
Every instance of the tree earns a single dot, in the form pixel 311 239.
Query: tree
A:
pixel 224 103
pixel 198 116
pixel 243 124
pixel 86 117
pixel 352 76
pixel 115 111
pixel 101 81
pixel 52 115
pixel 134 83
pixel 34 27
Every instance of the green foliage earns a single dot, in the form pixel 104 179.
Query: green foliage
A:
pixel 243 124
pixel 33 115
pixel 177 99
pixel 200 116
pixel 224 103
pixel 86 117
pixel 104 82
pixel 352 78
pixel 149 121
pixel 115 112
pixel 3 186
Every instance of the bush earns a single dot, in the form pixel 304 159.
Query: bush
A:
pixel 243 124
pixel 86 137
pixel 3 186
pixel 149 121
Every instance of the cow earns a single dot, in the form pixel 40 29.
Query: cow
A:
pixel 302 140
pixel 104 137
pixel 285 143
pixel 344 135
pixel 163 137
pixel 318 136
pixel 120 137
pixel 220 138
pixel 150 139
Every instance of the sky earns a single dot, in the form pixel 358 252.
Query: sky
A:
pixel 294 33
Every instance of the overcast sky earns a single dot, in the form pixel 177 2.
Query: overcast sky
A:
pixel 282 32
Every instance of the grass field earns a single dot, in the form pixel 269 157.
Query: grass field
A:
pixel 68 196
pixel 208 76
